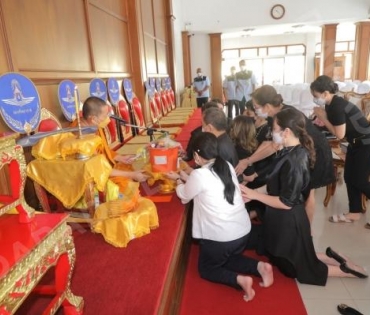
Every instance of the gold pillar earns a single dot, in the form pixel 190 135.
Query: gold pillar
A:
pixel 186 57
pixel 361 55
pixel 216 59
pixel 328 38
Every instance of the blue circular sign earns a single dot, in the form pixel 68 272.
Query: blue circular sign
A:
pixel 158 84
pixel 19 103
pixel 113 90
pixel 98 89
pixel 127 87
pixel 67 101
pixel 149 88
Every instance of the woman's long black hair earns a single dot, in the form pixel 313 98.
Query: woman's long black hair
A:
pixel 206 146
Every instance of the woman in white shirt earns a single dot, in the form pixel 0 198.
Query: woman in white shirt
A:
pixel 220 220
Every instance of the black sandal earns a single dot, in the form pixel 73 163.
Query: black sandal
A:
pixel 356 273
pixel 347 310
pixel 332 254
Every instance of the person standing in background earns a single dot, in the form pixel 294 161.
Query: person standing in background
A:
pixel 245 85
pixel 201 88
pixel 229 87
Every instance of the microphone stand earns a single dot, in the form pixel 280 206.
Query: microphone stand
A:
pixel 150 131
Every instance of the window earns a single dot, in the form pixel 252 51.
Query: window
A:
pixel 270 64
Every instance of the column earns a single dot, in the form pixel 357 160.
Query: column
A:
pixel 328 38
pixel 216 59
pixel 361 55
pixel 186 57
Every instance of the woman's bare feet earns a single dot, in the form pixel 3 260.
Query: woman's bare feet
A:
pixel 265 270
pixel 246 283
pixel 353 216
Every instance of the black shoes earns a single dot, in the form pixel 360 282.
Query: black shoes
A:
pixel 332 254
pixel 343 264
pixel 347 310
pixel 356 273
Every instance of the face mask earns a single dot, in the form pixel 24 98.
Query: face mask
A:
pixel 319 101
pixel 199 74
pixel 104 123
pixel 277 137
pixel 261 114
pixel 242 68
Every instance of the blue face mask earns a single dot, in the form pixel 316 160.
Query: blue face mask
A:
pixel 277 137
pixel 260 113
pixel 319 101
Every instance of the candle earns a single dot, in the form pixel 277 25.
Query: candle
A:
pixel 77 105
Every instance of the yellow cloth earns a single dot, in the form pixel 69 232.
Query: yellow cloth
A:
pixel 67 179
pixel 122 220
pixel 85 146
pixel 48 148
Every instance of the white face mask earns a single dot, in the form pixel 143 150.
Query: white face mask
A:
pixel 277 137
pixel 319 101
pixel 199 74
pixel 242 68
pixel 260 113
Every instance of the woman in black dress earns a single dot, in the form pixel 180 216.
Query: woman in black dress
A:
pixel 344 119
pixel 267 101
pixel 287 236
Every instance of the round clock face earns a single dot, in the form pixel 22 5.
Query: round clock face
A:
pixel 277 11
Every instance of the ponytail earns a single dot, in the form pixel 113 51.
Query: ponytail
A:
pixel 307 142
pixel 222 169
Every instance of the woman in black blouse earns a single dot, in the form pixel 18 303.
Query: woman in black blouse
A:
pixel 287 235
pixel 345 120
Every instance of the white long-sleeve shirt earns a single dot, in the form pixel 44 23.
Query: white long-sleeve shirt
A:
pixel 213 217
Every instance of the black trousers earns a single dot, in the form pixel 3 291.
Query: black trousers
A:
pixel 201 101
pixel 221 262
pixel 242 105
pixel 356 176
pixel 230 105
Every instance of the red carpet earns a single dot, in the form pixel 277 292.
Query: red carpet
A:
pixel 202 297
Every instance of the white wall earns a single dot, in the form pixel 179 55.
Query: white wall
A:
pixel 213 16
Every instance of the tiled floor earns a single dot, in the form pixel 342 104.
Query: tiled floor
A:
pixel 351 239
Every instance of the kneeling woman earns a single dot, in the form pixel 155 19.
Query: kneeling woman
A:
pixel 220 220
pixel 287 235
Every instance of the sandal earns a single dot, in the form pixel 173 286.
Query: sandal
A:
pixel 367 226
pixel 339 218
pixel 347 310
pixel 332 254
pixel 356 273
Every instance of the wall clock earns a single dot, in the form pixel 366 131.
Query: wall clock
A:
pixel 277 11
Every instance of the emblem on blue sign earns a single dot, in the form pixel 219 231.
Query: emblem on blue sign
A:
pixel 113 90
pixel 98 89
pixel 149 88
pixel 66 99
pixel 19 103
pixel 127 87
pixel 158 84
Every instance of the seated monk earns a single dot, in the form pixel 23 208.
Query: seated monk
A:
pixel 131 216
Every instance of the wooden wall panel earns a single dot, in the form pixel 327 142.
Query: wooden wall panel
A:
pixel 110 48
pixel 162 58
pixel 159 20
pixel 47 35
pixel 116 7
pixel 150 54
pixel 147 17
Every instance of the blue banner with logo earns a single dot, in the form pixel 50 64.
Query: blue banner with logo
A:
pixel 98 89
pixel 149 88
pixel 158 83
pixel 66 90
pixel 113 91
pixel 19 103
pixel 127 87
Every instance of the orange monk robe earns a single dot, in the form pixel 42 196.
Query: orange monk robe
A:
pixel 130 217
